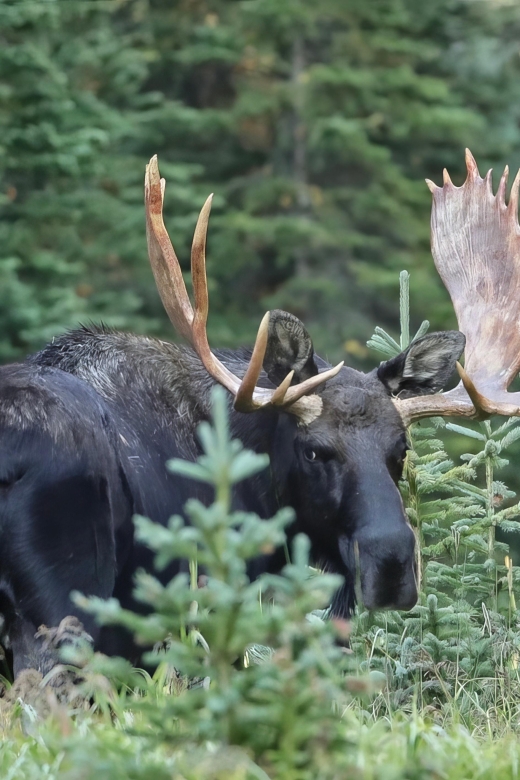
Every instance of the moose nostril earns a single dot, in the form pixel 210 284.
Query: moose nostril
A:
pixel 387 569
pixel 386 591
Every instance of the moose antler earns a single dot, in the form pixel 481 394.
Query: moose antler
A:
pixel 476 249
pixel 191 323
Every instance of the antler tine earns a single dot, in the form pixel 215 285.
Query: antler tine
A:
pixel 281 391
pixel 169 279
pixel 502 186
pixel 244 401
pixel 453 404
pixel 192 324
pixel 297 392
pixel 446 177
pixel 200 284
pixel 471 166
pixel 164 262
pixel 198 263
pixel 488 181
pixel 476 249
pixel 513 199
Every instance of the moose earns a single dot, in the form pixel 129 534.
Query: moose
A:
pixel 88 423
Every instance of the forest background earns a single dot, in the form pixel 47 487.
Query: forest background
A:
pixel 315 125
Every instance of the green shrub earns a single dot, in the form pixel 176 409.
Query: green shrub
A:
pixel 280 709
pixel 457 650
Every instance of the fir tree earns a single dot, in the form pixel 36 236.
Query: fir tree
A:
pixel 281 713
pixel 463 635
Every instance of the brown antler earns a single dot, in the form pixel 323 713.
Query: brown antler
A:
pixel 191 323
pixel 476 248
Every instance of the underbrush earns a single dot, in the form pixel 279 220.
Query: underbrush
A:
pixel 455 656
pixel 250 680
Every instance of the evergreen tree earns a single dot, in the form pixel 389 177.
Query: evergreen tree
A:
pixel 56 133
pixel 281 714
pixel 316 124
pixel 313 123
pixel 464 634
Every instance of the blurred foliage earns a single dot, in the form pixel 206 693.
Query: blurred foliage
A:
pixel 314 123
pixel 276 716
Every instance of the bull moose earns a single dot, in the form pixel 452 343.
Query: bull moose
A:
pixel 88 423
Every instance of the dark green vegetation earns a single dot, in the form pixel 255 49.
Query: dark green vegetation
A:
pixel 456 653
pixel 314 124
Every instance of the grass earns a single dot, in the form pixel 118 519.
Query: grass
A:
pixel 400 745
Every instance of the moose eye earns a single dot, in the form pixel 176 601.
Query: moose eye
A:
pixel 395 461
pixel 401 448
pixel 309 454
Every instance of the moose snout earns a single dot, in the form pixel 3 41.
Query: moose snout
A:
pixel 388 569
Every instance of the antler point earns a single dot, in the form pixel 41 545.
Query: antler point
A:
pixel 206 210
pixel 446 177
pixel 279 394
pixel 152 172
pixel 264 322
pixel 501 191
pixel 513 197
pixel 488 181
pixel 471 165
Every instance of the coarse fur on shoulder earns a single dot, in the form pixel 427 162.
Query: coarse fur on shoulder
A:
pixel 91 346
pixel 126 367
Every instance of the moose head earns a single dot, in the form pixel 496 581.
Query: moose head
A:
pixel 338 441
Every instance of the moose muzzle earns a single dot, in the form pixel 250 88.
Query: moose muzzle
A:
pixel 387 568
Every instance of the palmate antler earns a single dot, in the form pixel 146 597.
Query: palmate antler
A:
pixel 476 248
pixel 191 323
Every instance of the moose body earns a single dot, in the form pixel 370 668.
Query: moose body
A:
pixel 88 424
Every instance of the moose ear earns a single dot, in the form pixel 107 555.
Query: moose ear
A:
pixel 425 366
pixel 289 348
